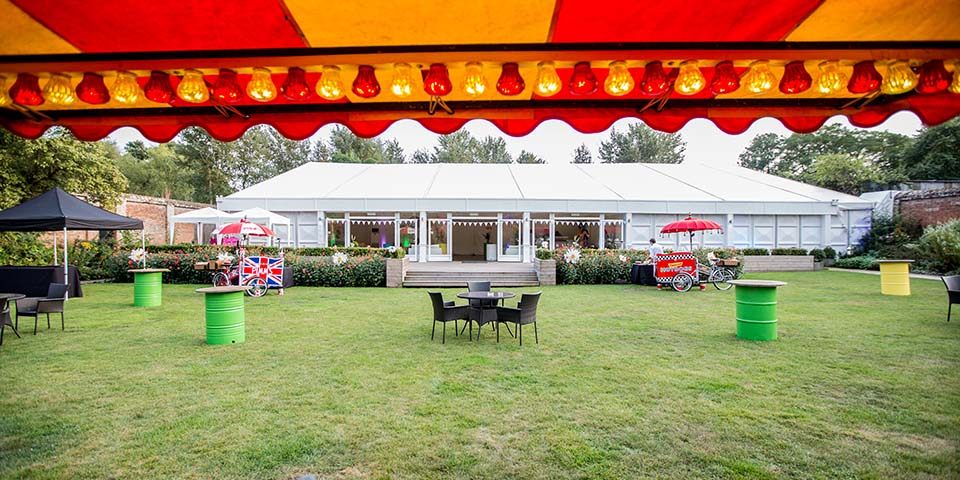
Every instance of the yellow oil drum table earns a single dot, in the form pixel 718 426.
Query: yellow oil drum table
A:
pixel 757 309
pixel 225 317
pixel 148 286
pixel 895 277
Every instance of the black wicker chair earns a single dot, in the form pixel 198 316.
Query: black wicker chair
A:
pixel 953 292
pixel 444 312
pixel 52 303
pixel 5 319
pixel 524 314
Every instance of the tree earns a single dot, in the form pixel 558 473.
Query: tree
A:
pixel 421 156
pixel 286 154
pixel 841 172
pixel 642 144
pixel 156 171
pixel 209 162
pixel 492 150
pixel 57 159
pixel 527 157
pixel 345 147
pixel 935 155
pixel 582 154
pixel 458 147
pixel 763 153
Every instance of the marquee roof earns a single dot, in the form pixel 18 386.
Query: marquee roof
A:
pixel 74 38
pixel 592 187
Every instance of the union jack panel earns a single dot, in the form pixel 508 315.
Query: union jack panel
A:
pixel 268 268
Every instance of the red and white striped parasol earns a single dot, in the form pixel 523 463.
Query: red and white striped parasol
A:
pixel 246 227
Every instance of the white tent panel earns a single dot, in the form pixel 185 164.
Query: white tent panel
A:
pixel 636 182
pixel 388 181
pixel 564 181
pixel 725 185
pixel 468 181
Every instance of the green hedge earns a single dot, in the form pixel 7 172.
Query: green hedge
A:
pixel 788 251
pixel 754 251
pixel 613 266
pixel 212 250
pixel 862 262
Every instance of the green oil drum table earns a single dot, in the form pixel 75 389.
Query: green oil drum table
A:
pixel 757 309
pixel 224 314
pixel 148 286
pixel 895 277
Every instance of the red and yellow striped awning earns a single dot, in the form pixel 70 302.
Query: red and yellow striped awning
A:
pixel 160 66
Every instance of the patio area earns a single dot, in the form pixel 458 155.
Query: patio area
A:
pixel 626 382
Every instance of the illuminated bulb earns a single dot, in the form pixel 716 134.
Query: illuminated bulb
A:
pixel 437 81
pixel 402 83
pixel 832 80
pixel 795 78
pixel 865 78
pixel 192 88
pixel 510 82
pixel 261 87
pixel 226 89
pixel 158 88
pixel 474 82
pixel 26 90
pixel 759 79
pixel 295 87
pixel 899 78
pixel 366 84
pixel 583 81
pixel 125 88
pixel 955 84
pixel 654 81
pixel 330 86
pixel 690 79
pixel 619 82
pixel 725 78
pixel 4 96
pixel 548 82
pixel 92 90
pixel 933 77
pixel 58 90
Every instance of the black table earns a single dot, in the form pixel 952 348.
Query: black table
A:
pixel 35 281
pixel 642 274
pixel 483 312
pixel 5 299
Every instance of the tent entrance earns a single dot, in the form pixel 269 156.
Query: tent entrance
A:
pixel 474 239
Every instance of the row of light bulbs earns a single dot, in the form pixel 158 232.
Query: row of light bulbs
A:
pixel 687 79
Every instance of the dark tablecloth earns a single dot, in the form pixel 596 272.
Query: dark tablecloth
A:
pixel 642 274
pixel 34 281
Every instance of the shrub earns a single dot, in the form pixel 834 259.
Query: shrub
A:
pixel 817 253
pixel 939 247
pixel 544 254
pixel 829 253
pixel 788 251
pixel 862 262
pixel 212 250
pixel 754 251
pixel 24 248
pixel 597 266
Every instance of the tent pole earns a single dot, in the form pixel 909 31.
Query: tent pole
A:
pixel 143 245
pixel 66 262
pixel 56 260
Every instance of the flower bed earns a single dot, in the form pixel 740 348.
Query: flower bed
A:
pixel 587 266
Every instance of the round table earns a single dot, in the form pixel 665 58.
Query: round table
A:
pixel 757 309
pixel 484 312
pixel 148 286
pixel 225 318
pixel 895 277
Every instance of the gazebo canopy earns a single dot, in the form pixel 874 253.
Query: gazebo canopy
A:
pixel 58 210
pixel 260 215
pixel 300 64
pixel 203 215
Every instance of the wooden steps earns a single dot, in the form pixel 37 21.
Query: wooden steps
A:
pixel 457 274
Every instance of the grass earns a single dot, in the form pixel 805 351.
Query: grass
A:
pixel 627 382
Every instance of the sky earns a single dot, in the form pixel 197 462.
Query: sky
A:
pixel 555 141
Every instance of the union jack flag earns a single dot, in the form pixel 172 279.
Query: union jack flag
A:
pixel 268 268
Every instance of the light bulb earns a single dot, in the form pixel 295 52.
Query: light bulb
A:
pixel 474 82
pixel 933 77
pixel 437 80
pixel 548 82
pixel 759 79
pixel 510 82
pixel 690 79
pixel 4 96
pixel 330 86
pixel 795 78
pixel 226 89
pixel 655 81
pixel 955 84
pixel 402 83
pixel 832 80
pixel 295 87
pixel 865 78
pixel 583 81
pixel 158 88
pixel 725 78
pixel 619 82
pixel 261 87
pixel 366 84
pixel 125 88
pixel 26 90
pixel 192 87
pixel 58 90
pixel 899 78
pixel 92 90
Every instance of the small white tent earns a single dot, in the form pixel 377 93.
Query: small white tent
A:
pixel 206 215
pixel 263 217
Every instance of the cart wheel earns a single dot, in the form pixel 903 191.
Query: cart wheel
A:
pixel 719 279
pixel 258 287
pixel 682 282
pixel 220 279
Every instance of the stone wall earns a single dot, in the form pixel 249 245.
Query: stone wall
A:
pixel 777 263
pixel 929 207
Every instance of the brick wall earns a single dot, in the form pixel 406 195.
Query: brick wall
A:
pixel 929 207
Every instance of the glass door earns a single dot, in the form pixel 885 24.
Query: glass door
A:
pixel 508 236
pixel 407 237
pixel 439 241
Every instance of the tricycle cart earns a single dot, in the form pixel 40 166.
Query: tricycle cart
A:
pixel 681 271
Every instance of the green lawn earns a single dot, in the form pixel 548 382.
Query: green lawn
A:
pixel 627 382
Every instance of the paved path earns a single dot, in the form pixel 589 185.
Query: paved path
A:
pixel 874 272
